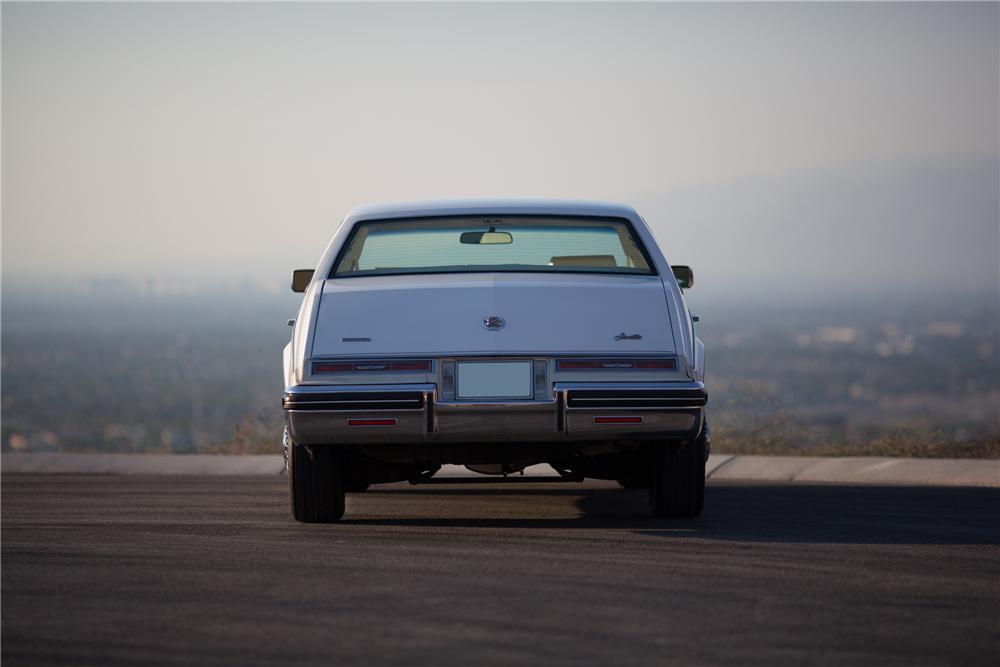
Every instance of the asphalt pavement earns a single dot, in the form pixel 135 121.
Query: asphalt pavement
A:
pixel 130 570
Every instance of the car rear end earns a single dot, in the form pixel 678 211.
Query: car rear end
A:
pixel 564 359
pixel 579 362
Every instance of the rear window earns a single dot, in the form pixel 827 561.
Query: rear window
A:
pixel 494 244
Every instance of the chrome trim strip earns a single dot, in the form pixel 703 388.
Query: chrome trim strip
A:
pixel 633 398
pixel 364 401
pixel 470 355
pixel 393 411
pixel 306 389
pixel 514 406
pixel 679 386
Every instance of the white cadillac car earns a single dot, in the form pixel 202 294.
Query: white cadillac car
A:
pixel 494 335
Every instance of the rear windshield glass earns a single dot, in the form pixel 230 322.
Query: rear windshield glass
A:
pixel 457 245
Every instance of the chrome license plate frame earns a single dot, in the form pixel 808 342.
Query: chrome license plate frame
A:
pixel 492 380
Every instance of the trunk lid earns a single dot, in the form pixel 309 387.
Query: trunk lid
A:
pixel 442 314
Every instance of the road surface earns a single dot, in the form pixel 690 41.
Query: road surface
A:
pixel 111 570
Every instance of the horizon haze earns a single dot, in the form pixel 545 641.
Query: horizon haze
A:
pixel 804 150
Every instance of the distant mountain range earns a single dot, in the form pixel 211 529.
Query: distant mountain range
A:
pixel 891 227
pixel 848 233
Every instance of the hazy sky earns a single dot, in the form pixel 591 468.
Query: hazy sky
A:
pixel 229 139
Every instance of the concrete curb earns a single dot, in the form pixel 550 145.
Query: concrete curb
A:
pixel 141 464
pixel 853 470
pixel 862 470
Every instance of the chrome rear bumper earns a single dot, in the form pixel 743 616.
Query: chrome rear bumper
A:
pixel 412 413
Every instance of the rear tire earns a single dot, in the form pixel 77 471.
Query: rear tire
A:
pixel 678 490
pixel 315 483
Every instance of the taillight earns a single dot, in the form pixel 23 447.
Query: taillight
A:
pixel 576 364
pixel 423 366
pixel 374 366
pixel 655 364
pixel 658 364
pixel 326 367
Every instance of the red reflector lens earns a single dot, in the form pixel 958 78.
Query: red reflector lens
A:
pixel 618 420
pixel 371 422
pixel 327 367
pixel 659 364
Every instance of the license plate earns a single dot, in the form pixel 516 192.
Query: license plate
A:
pixel 494 379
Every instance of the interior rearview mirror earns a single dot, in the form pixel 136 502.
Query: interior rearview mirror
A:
pixel 684 276
pixel 486 238
pixel 301 279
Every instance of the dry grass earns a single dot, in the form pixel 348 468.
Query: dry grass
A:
pixel 906 443
pixel 751 421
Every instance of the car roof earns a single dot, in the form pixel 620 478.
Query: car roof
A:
pixel 491 207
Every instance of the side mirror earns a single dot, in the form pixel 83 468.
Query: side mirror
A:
pixel 301 279
pixel 684 276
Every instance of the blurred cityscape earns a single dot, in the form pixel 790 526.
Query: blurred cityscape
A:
pixel 119 367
